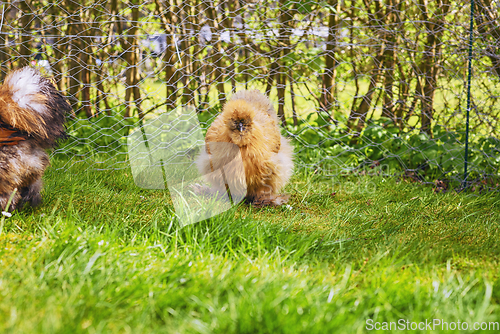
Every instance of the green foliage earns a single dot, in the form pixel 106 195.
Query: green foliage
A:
pixel 303 62
pixel 99 134
pixel 383 143
pixel 208 116
pixel 301 6
pixel 326 143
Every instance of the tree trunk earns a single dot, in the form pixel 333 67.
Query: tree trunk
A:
pixel 328 84
pixel 25 21
pixel 390 58
pixel 273 71
pixel 85 60
pixel 168 20
pixel 431 60
pixel 487 18
pixel 132 60
pixel 294 112
pixel 285 31
pixel 217 55
pixel 232 54
pixel 189 50
pixel 85 78
pixel 58 40
pixel 366 101
pixel 403 97
pixel 74 28
pixel 101 54
pixel 281 87
pixel 4 50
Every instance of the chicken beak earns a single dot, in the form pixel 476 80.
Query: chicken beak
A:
pixel 240 127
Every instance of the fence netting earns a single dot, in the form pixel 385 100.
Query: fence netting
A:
pixel 360 86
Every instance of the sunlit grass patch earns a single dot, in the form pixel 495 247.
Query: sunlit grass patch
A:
pixel 104 256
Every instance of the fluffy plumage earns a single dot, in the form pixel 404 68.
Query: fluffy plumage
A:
pixel 32 116
pixel 248 120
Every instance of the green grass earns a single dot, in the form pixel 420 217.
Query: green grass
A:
pixel 103 256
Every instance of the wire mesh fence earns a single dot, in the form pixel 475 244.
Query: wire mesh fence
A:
pixel 359 85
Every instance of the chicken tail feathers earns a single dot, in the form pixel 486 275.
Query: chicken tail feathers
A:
pixel 30 103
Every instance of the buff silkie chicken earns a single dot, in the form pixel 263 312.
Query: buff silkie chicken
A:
pixel 32 116
pixel 248 122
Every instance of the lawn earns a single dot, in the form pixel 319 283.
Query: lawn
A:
pixel 103 256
